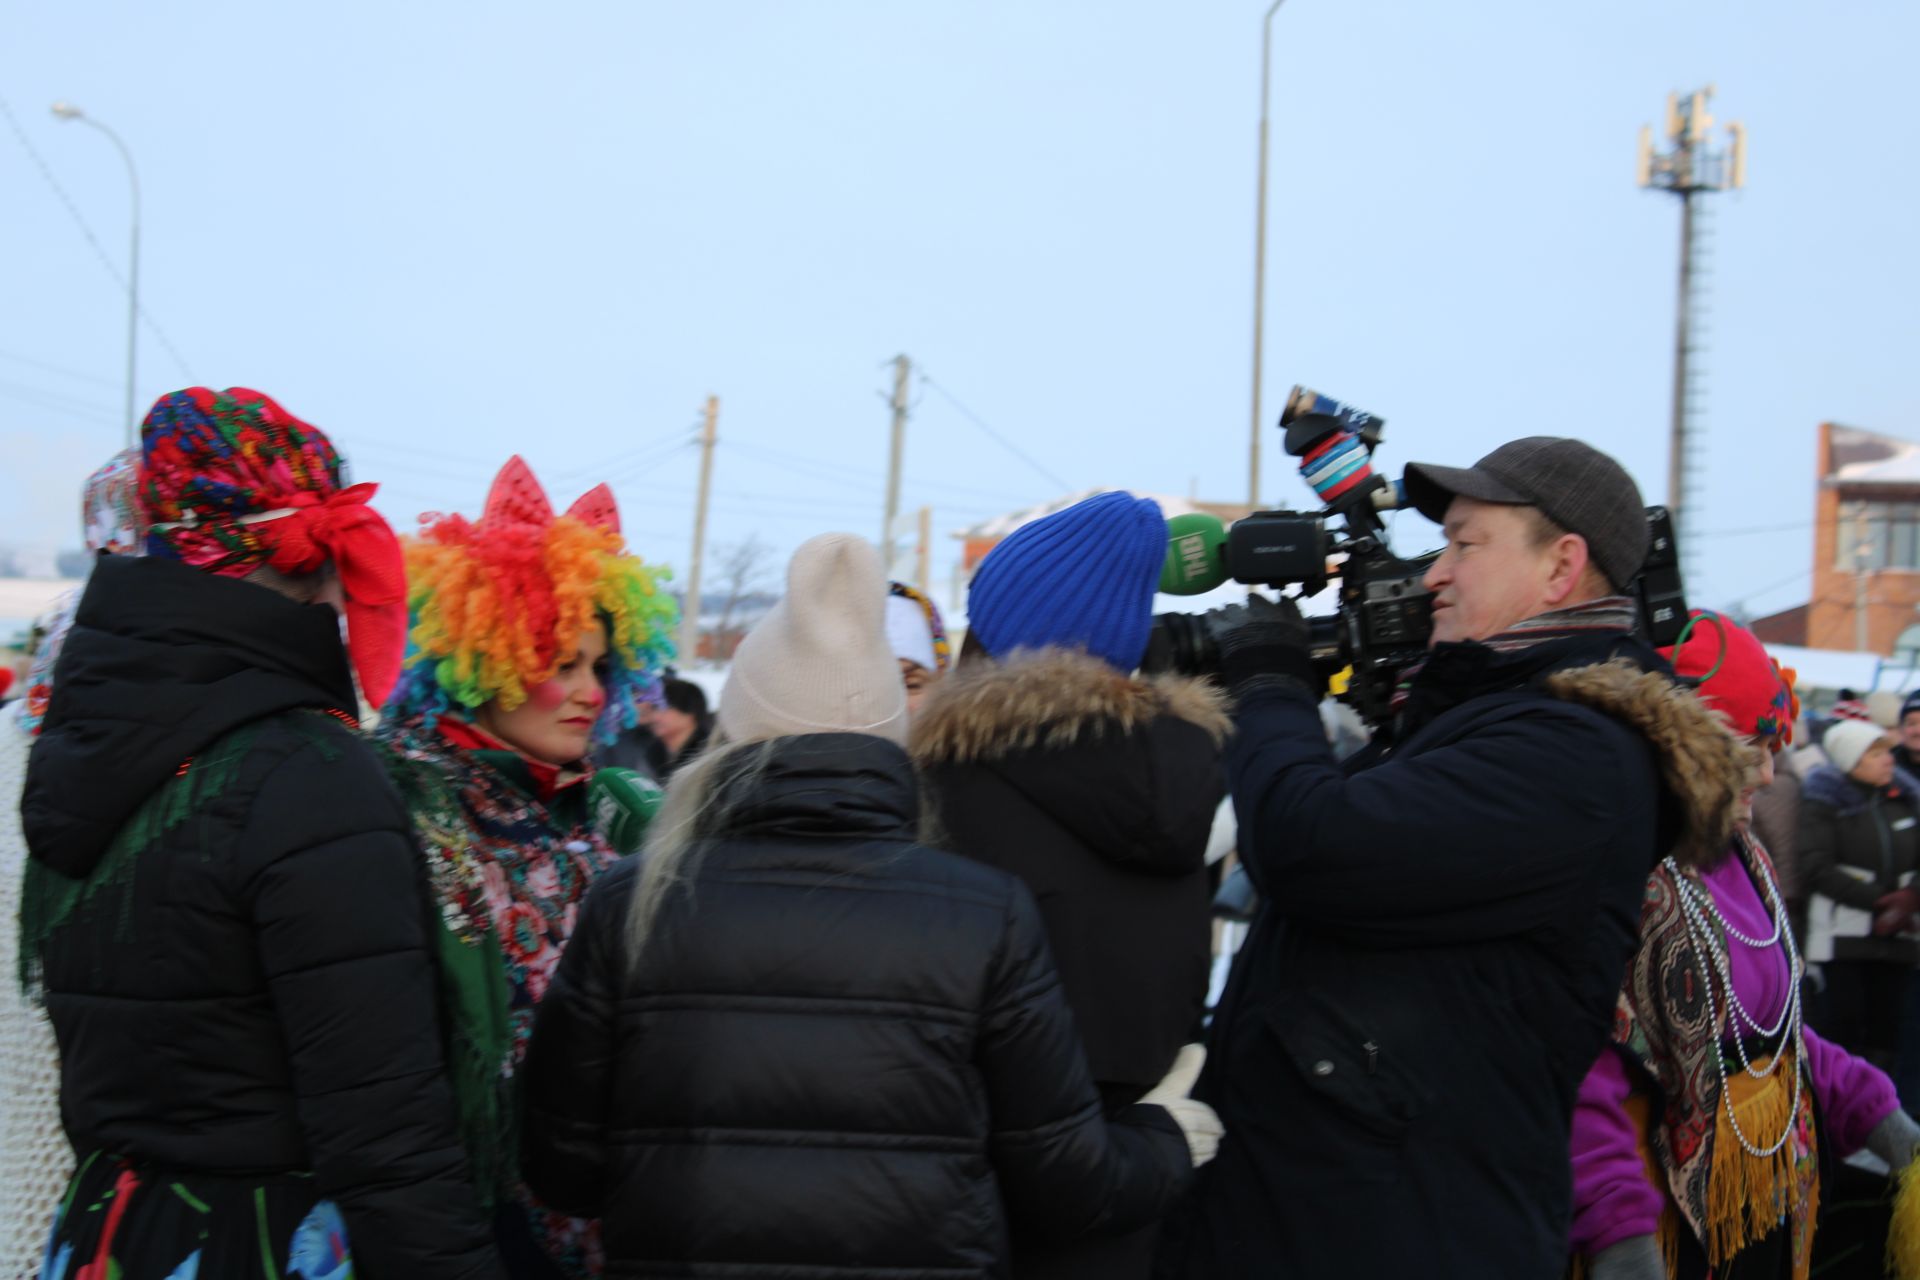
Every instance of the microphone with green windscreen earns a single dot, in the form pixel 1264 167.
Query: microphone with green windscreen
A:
pixel 1196 560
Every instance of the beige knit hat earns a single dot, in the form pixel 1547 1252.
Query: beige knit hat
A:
pixel 819 662
pixel 1848 740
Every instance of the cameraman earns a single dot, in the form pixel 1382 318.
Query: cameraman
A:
pixel 1448 916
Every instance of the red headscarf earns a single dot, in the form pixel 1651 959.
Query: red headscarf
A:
pixel 231 482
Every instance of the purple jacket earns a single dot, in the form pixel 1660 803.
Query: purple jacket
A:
pixel 1612 1199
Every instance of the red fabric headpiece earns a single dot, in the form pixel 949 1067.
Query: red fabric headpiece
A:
pixel 1736 676
pixel 343 529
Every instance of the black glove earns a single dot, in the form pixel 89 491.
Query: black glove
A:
pixel 1263 641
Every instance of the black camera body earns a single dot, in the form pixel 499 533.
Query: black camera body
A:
pixel 1382 626
pixel 1385 616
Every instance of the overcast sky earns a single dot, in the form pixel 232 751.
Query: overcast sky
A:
pixel 449 231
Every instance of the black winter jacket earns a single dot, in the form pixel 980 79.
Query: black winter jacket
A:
pixel 843 1053
pixel 1856 845
pixel 262 1002
pixel 1436 967
pixel 1099 791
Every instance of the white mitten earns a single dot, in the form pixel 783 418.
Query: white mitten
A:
pixel 1196 1119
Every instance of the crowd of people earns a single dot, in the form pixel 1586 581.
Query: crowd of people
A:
pixel 387 906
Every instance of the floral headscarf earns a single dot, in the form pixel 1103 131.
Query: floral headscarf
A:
pixel 232 482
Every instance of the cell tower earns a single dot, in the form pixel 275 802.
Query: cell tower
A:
pixel 1691 168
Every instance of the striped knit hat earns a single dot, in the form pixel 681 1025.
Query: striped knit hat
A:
pixel 1082 578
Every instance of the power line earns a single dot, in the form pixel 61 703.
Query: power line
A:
pixel 844 473
pixel 86 230
pixel 1789 580
pixel 1761 528
pixel 54 402
pixel 1001 440
pixel 673 440
pixel 59 369
pixel 642 466
pixel 441 456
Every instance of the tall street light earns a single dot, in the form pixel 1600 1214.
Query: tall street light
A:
pixel 1260 259
pixel 67 111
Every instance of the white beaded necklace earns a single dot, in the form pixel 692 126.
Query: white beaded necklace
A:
pixel 1697 906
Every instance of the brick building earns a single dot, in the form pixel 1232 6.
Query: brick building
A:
pixel 1866 546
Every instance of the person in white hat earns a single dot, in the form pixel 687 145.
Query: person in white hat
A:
pixel 919 642
pixel 1859 851
pixel 792 1038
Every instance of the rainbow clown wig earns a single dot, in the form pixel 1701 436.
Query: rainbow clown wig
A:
pixel 498 604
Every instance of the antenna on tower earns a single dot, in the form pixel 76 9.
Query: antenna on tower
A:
pixel 1691 168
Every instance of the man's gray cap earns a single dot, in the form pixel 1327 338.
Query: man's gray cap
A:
pixel 1578 487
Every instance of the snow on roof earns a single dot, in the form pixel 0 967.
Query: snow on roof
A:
pixel 1881 459
pixel 1832 669
pixel 1001 526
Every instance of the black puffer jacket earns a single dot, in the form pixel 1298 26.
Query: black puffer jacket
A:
pixel 844 1054
pixel 255 995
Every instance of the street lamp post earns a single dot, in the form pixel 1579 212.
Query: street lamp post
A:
pixel 1260 259
pixel 67 111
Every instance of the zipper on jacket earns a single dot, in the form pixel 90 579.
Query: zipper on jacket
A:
pixel 1886 844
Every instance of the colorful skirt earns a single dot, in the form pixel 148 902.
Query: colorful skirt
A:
pixel 122 1221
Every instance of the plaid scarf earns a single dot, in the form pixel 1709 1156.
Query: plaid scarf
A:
pixel 1595 617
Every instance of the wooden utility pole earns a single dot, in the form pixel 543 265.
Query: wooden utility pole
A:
pixel 923 563
pixel 690 609
pixel 902 367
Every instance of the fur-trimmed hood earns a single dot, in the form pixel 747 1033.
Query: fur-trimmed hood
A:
pixel 1130 765
pixel 1704 767
pixel 1052 698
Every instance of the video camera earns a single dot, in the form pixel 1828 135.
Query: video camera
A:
pixel 1385 614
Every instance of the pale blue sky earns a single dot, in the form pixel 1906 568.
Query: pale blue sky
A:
pixel 446 232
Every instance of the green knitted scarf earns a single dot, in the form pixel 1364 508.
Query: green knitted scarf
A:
pixel 50 901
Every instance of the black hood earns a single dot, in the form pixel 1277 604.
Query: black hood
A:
pixel 163 661
pixel 842 786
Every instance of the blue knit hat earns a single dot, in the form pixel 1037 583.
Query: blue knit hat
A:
pixel 1082 578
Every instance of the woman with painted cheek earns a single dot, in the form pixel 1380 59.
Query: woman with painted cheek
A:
pixel 534 638
pixel 555 724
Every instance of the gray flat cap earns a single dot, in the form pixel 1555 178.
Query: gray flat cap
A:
pixel 1578 487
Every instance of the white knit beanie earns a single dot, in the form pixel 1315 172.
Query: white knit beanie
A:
pixel 819 662
pixel 1848 740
